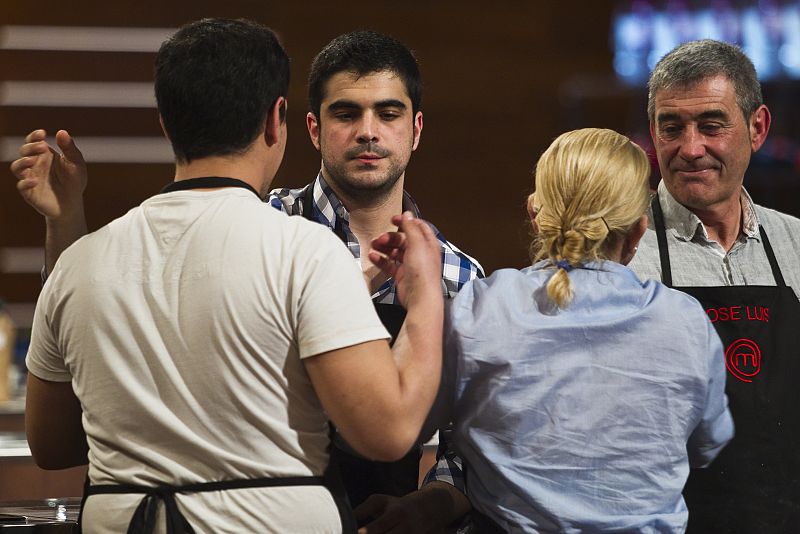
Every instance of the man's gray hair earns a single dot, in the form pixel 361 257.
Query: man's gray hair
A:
pixel 695 61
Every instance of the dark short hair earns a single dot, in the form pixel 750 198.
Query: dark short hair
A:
pixel 364 52
pixel 215 82
pixel 695 61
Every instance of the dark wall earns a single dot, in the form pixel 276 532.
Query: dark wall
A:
pixel 502 79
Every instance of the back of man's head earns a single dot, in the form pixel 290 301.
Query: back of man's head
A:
pixel 364 52
pixel 215 81
pixel 695 61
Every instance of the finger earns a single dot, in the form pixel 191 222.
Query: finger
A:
pixel 34 148
pixel 21 164
pixel 388 241
pixel 36 135
pixel 412 227
pixel 67 145
pixel 25 184
pixel 406 215
pixel 385 264
pixel 427 230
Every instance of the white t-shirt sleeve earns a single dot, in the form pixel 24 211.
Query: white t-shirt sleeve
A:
pixel 44 359
pixel 334 309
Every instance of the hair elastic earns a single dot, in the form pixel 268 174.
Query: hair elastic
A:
pixel 564 264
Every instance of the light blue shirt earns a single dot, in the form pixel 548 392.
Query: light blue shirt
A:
pixel 584 419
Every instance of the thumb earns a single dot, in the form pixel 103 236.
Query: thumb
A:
pixel 67 146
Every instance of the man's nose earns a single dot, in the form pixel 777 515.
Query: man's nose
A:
pixel 368 128
pixel 692 144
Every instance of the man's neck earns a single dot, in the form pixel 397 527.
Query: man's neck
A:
pixel 723 222
pixel 239 167
pixel 369 218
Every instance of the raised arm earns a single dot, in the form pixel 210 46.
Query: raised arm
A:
pixel 53 183
pixel 379 397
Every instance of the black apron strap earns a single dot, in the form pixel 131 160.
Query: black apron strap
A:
pixel 661 235
pixel 144 518
pixel 208 182
pixel 334 483
pixel 86 485
pixel 773 263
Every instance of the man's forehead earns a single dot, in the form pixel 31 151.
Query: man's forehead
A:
pixel 715 92
pixel 377 86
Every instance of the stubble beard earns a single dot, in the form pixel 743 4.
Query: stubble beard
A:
pixel 369 191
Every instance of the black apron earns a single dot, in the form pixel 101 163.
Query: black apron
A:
pixel 143 520
pixel 753 486
pixel 363 477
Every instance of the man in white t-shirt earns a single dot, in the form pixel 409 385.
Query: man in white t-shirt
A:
pixel 197 346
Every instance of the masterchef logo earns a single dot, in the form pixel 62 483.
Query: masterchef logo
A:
pixel 743 359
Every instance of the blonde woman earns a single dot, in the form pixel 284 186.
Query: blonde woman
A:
pixel 580 394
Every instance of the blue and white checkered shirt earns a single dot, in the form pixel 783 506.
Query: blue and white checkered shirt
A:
pixel 457 269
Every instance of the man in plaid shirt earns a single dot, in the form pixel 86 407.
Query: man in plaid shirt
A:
pixel 364 95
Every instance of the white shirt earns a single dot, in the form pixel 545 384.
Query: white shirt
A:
pixel 182 326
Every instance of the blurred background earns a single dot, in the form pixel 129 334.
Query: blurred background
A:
pixel 502 79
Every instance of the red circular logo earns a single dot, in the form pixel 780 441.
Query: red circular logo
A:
pixel 743 359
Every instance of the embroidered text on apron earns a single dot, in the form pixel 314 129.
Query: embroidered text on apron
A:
pixel 753 486
pixel 144 517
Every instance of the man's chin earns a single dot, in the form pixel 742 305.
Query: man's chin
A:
pixel 700 199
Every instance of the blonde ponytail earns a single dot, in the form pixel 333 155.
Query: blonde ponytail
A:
pixel 591 186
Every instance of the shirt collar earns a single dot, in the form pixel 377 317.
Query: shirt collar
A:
pixel 685 225
pixel 329 208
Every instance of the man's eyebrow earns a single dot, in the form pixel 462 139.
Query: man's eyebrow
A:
pixel 667 116
pixel 705 115
pixel 343 104
pixel 390 103
pixel 713 114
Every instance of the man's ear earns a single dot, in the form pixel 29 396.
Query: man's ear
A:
pixel 163 130
pixel 759 127
pixel 417 129
pixel 275 120
pixel 312 123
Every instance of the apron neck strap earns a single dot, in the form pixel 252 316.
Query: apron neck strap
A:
pixel 663 249
pixel 208 182
pixel 773 263
pixel 661 235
